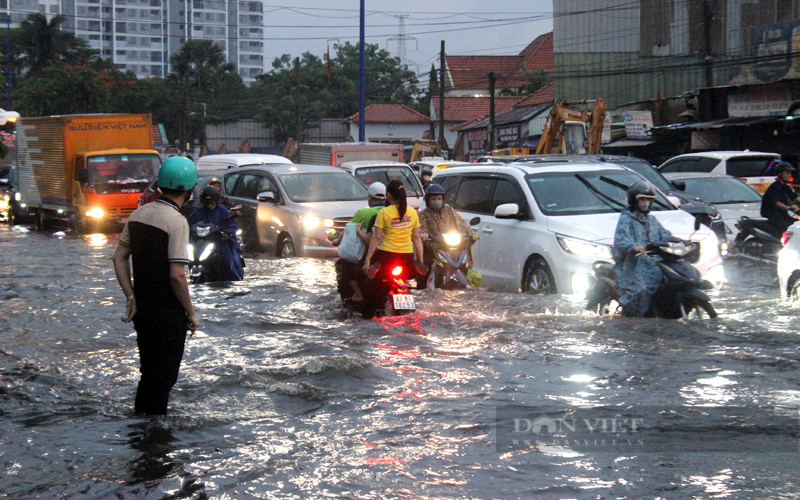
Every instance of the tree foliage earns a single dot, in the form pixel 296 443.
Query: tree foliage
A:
pixel 329 96
pixel 535 80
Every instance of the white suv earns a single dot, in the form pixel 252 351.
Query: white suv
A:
pixel 752 167
pixel 543 225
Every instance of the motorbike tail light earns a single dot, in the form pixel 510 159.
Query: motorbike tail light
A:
pixel 399 282
pixel 397 271
pixel 785 237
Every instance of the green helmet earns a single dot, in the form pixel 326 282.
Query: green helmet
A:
pixel 474 278
pixel 177 173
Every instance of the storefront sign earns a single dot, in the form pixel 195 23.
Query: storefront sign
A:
pixel 476 144
pixel 508 134
pixel 760 101
pixel 606 136
pixel 638 124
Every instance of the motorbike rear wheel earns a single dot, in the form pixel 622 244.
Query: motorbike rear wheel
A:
pixel 700 310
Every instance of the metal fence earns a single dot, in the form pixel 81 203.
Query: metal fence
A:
pixel 262 139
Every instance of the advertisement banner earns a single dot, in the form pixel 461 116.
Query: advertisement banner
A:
pixel 508 134
pixel 638 124
pixel 760 101
pixel 476 144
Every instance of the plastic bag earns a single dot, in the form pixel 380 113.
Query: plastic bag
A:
pixel 351 248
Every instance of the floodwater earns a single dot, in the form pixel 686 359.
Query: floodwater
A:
pixel 282 396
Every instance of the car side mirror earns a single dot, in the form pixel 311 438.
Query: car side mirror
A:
pixel 266 197
pixel 475 221
pixel 675 201
pixel 82 175
pixel 697 224
pixel 679 185
pixel 507 211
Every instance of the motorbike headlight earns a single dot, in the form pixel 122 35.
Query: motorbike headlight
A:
pixel 17 196
pixel 6 197
pixel 310 220
pixel 190 251
pixel 207 251
pixel 584 248
pixel 452 239
pixel 203 231
pixel 95 212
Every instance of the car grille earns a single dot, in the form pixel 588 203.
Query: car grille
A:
pixel 340 222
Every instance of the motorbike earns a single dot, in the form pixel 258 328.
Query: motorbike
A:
pixel 681 294
pixel 451 256
pixel 755 239
pixel 388 292
pixel 205 241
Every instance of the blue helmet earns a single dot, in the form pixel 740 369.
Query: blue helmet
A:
pixel 434 189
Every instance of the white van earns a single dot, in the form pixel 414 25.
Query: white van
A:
pixel 369 171
pixel 236 160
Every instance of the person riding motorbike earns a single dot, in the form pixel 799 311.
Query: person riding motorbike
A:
pixel 638 277
pixel 231 268
pixel 438 218
pixel 395 234
pixel 349 275
pixel 779 198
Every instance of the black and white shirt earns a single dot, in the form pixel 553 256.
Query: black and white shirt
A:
pixel 157 235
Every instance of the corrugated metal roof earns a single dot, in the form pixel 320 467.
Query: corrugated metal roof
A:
pixel 513 115
pixel 721 123
pixel 628 143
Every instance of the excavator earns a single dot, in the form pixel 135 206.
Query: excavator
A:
pixel 565 131
pixel 423 148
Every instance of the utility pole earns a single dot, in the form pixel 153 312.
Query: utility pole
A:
pixel 708 58
pixel 362 80
pixel 8 55
pixel 491 111
pixel 298 134
pixel 441 98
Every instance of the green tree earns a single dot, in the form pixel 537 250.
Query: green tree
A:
pixel 200 73
pixel 46 44
pixel 61 90
pixel 321 96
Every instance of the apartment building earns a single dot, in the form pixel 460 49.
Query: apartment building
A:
pixel 140 35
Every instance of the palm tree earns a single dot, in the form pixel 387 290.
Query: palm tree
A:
pixel 46 44
pixel 199 69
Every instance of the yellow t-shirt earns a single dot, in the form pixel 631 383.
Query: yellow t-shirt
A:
pixel 396 232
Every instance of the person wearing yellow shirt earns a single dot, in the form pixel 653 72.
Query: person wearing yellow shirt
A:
pixel 395 237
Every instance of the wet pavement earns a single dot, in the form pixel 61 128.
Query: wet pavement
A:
pixel 282 396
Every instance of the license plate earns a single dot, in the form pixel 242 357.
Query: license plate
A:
pixel 403 302
pixel 122 220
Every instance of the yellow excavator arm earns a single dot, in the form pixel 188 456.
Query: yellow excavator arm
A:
pixel 553 141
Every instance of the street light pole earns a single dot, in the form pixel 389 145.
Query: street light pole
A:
pixel 8 54
pixel 362 81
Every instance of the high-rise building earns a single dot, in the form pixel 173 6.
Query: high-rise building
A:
pixel 140 35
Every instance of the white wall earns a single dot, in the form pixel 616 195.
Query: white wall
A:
pixel 397 131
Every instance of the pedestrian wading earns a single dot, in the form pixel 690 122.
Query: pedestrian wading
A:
pixel 155 241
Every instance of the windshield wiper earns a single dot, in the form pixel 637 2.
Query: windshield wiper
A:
pixel 600 195
pixel 623 186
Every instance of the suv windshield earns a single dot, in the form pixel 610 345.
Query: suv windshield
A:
pixel 369 175
pixel 323 186
pixel 750 166
pixel 649 172
pixel 122 172
pixel 581 193
pixel 721 190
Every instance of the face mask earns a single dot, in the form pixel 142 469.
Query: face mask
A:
pixel 437 204
pixel 644 206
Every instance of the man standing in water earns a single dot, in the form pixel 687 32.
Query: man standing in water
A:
pixel 156 239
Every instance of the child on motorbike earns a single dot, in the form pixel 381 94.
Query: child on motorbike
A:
pixel 395 234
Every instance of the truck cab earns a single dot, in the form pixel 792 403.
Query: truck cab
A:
pixel 108 184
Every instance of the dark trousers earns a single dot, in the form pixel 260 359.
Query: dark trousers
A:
pixel 161 336
pixel 346 272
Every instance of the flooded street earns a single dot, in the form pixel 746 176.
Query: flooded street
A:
pixel 281 396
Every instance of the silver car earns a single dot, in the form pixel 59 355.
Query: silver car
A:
pixel 287 209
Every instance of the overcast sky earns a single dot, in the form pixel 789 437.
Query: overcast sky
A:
pixel 467 26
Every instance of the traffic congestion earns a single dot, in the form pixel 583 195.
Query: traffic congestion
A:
pixel 315 350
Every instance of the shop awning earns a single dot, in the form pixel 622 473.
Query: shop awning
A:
pixel 628 143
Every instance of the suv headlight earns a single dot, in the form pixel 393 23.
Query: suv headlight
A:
pixel 585 248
